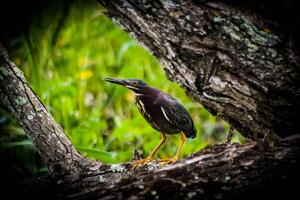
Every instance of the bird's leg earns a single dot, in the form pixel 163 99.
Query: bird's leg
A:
pixel 175 158
pixel 136 163
pixel 155 150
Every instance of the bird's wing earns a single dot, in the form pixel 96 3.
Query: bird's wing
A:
pixel 177 115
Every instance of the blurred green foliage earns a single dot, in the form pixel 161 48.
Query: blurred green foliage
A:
pixel 64 56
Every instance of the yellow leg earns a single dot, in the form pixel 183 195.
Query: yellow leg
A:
pixel 136 163
pixel 175 158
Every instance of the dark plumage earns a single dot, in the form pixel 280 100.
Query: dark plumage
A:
pixel 161 111
pixel 164 113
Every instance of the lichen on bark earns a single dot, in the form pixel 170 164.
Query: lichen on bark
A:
pixel 229 59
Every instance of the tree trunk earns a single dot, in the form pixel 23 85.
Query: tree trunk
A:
pixel 232 61
pixel 47 136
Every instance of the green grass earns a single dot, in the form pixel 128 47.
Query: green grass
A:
pixel 66 71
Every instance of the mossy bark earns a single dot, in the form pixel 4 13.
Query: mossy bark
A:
pixel 232 171
pixel 236 63
pixel 45 133
pixel 230 60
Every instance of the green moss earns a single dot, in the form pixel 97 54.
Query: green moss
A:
pixel 272 53
pixel 230 29
pixel 21 100
pixel 4 71
pixel 251 47
pixel 257 36
pixel 217 19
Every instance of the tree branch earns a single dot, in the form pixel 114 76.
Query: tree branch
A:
pixel 225 57
pixel 46 135
pixel 222 172
pixel 231 60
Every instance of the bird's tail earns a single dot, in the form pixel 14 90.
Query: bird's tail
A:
pixel 190 134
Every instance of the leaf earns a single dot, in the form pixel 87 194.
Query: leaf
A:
pixel 101 155
pixel 16 144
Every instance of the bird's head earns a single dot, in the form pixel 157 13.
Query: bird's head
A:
pixel 134 84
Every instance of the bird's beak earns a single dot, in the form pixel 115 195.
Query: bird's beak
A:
pixel 116 81
pixel 124 82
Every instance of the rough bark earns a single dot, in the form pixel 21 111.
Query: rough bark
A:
pixel 225 57
pixel 223 172
pixel 236 63
pixel 47 136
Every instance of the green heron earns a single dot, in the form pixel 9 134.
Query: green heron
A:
pixel 162 112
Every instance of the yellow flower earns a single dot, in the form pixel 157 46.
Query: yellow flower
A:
pixel 86 74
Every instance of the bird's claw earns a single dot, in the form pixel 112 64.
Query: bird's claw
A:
pixel 167 161
pixel 137 163
pixel 162 162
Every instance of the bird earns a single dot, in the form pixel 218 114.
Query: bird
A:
pixel 163 112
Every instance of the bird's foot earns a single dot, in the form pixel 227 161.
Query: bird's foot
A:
pixel 167 161
pixel 137 163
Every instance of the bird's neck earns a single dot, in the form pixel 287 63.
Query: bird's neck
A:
pixel 147 91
